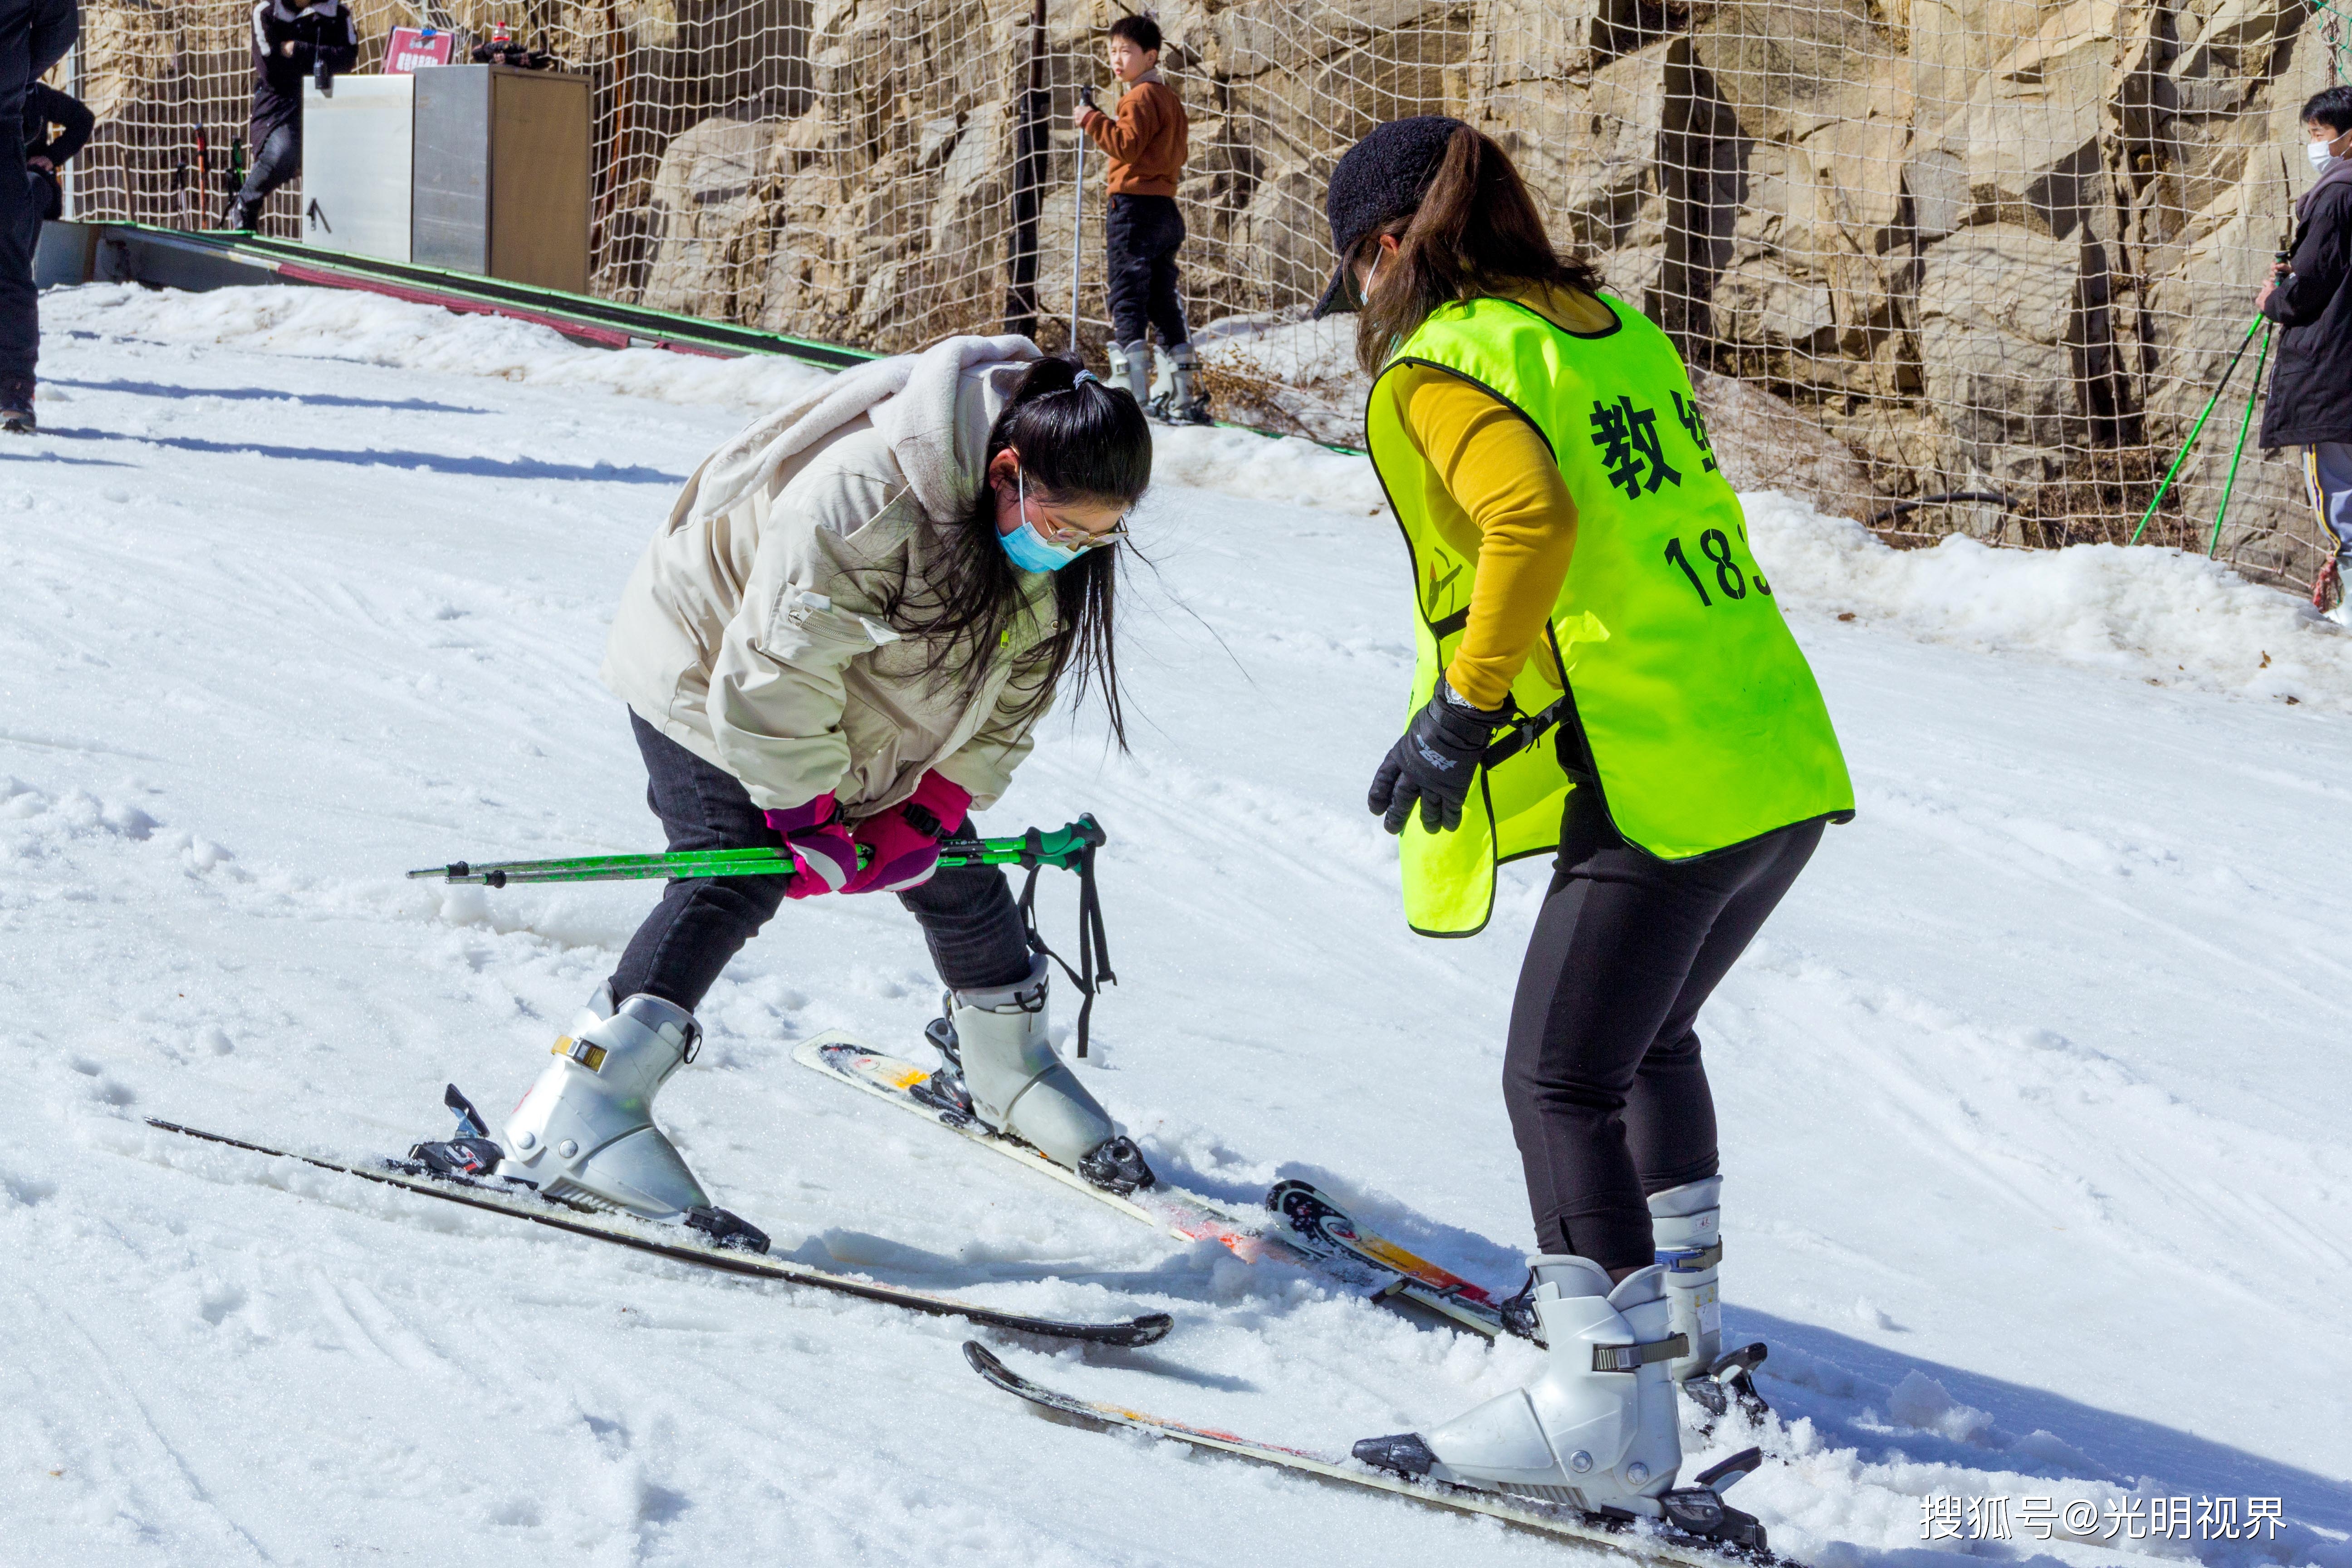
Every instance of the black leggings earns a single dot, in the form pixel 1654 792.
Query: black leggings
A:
pixel 1607 1097
pixel 968 914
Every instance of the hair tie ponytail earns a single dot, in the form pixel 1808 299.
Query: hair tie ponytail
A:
pixel 1097 446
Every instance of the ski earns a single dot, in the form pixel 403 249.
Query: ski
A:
pixel 1148 1328
pixel 1318 1225
pixel 1313 1232
pixel 1646 1543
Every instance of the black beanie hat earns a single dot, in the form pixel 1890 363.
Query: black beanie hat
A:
pixel 1383 177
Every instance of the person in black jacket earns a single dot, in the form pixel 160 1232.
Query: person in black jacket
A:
pixel 292 39
pixel 47 109
pixel 2311 393
pixel 34 35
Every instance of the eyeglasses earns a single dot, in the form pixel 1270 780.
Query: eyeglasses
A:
pixel 1071 537
pixel 1066 535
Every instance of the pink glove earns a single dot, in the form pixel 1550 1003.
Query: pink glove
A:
pixel 905 839
pixel 824 858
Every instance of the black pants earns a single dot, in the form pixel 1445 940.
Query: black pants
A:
pixel 968 914
pixel 1140 238
pixel 20 231
pixel 48 198
pixel 277 158
pixel 1607 1097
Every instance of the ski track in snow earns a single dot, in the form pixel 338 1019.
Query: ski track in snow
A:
pixel 2031 1093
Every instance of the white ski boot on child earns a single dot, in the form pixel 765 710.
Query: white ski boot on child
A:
pixel 1003 1069
pixel 584 1134
pixel 1598 1430
pixel 1131 368
pixel 1184 403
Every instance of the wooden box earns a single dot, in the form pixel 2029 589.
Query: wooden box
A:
pixel 501 173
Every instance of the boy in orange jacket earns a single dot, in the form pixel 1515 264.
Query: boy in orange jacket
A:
pixel 1145 147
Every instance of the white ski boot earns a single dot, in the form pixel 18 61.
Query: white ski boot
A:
pixel 1598 1430
pixel 585 1133
pixel 1687 1223
pixel 1131 368
pixel 1002 1069
pixel 1182 403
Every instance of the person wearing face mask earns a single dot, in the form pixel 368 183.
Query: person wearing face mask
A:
pixel 840 642
pixel 1603 676
pixel 2310 402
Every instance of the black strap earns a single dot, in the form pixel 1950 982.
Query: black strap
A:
pixel 1521 733
pixel 1093 971
pixel 1529 728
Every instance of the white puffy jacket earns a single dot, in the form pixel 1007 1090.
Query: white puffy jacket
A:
pixel 753 631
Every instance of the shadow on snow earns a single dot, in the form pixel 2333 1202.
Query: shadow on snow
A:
pixel 435 462
pixel 264 394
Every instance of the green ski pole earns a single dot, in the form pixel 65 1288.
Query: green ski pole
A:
pixel 2262 357
pixel 1061 846
pixel 2197 429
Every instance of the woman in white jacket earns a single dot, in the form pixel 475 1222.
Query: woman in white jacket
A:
pixel 841 640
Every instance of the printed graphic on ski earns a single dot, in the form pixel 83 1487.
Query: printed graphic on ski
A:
pixel 1317 1224
pixel 1313 1231
pixel 1148 1328
pixel 1644 1542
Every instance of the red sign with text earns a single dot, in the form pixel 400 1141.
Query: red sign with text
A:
pixel 412 47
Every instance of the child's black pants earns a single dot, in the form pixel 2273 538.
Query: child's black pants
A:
pixel 1140 238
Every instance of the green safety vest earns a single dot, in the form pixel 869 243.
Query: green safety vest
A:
pixel 1688 707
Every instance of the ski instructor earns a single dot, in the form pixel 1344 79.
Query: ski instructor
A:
pixel 839 643
pixel 1602 672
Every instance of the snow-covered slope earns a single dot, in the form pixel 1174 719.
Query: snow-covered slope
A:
pixel 2033 1093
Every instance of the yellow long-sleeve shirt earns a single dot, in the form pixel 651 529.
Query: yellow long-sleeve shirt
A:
pixel 1510 509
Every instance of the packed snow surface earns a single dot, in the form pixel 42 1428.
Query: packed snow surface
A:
pixel 2033 1093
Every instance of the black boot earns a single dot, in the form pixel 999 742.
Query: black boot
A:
pixel 16 407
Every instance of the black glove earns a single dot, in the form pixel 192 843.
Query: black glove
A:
pixel 1433 762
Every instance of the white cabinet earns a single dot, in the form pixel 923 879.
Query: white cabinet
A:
pixel 358 151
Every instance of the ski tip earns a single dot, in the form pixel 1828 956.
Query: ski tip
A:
pixel 1148 1329
pixel 1277 1193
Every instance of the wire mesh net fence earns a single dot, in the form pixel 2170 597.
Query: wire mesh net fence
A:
pixel 1940 264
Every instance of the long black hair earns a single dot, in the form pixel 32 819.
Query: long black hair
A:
pixel 1079 441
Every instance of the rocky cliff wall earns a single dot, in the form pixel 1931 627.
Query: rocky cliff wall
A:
pixel 1995 247
pixel 1992 247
